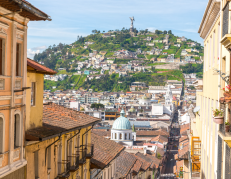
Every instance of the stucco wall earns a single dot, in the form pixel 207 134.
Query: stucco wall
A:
pixel 34 114
pixel 18 174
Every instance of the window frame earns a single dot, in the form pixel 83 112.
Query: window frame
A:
pixel 18 60
pixel 17 129
pixel 36 164
pixel 33 94
pixel 3 54
pixel 3 133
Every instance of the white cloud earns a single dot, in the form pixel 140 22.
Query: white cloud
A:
pixel 151 29
pixel 32 51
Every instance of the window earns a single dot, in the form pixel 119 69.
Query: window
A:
pixel 33 94
pixel 18 59
pixel 115 136
pixel 16 130
pixel 205 57
pixel 86 136
pixel 120 136
pixel 36 166
pixel 70 151
pixel 1 134
pixel 214 47
pixel 218 43
pixel 125 136
pixel 49 158
pixel 59 158
pixel 146 107
pixel 210 51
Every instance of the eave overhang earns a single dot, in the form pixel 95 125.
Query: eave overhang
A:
pixel 25 9
pixel 210 15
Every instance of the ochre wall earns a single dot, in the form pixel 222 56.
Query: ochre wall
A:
pixel 34 114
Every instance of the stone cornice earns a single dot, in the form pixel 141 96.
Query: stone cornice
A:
pixel 208 18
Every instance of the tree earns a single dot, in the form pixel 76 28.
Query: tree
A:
pixel 158 32
pixel 169 32
pixel 97 105
pixel 192 88
pixel 165 32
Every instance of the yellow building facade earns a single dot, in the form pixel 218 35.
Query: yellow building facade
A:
pixel 58 139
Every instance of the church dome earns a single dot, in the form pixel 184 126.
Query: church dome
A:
pixel 121 123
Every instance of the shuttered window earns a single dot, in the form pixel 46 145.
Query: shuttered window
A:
pixel 17 59
pixel 33 94
pixel 1 135
pixel 1 59
pixel 16 131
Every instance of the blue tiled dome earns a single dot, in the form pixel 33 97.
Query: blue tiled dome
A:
pixel 122 122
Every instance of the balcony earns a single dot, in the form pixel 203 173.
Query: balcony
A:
pixel 82 151
pixel 64 166
pixel 225 135
pixel 90 150
pixel 75 165
pixel 196 155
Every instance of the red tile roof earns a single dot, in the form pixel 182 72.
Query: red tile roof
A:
pixel 184 128
pixel 39 68
pixel 105 150
pixel 160 139
pixel 125 163
pixel 152 133
pixel 102 132
pixel 155 160
pixel 183 138
pixel 145 164
pixel 57 119
pixel 137 166
pixel 151 159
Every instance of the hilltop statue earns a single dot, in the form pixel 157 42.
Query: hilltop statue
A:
pixel 132 28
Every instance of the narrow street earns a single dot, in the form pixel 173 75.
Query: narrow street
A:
pixel 172 149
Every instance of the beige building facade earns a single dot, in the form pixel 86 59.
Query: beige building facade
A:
pixel 208 145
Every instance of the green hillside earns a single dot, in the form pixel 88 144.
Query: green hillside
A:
pixel 68 57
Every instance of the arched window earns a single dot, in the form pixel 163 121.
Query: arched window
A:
pixel 115 136
pixel 16 130
pixel 120 136
pixel 2 133
pixel 125 136
pixel 129 136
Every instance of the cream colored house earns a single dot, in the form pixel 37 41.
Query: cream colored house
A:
pixel 209 146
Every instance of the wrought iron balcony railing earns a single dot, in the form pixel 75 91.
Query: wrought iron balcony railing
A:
pixel 65 167
pixel 75 165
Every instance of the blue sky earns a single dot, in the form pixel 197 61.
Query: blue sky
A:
pixel 71 18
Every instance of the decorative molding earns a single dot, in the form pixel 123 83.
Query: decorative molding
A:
pixel 18 36
pixel 16 154
pixel 5 98
pixel 2 31
pixel 20 31
pixel 19 96
pixel 4 25
pixel 2 84
pixel 18 84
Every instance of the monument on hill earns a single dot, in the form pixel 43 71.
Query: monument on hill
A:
pixel 131 27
